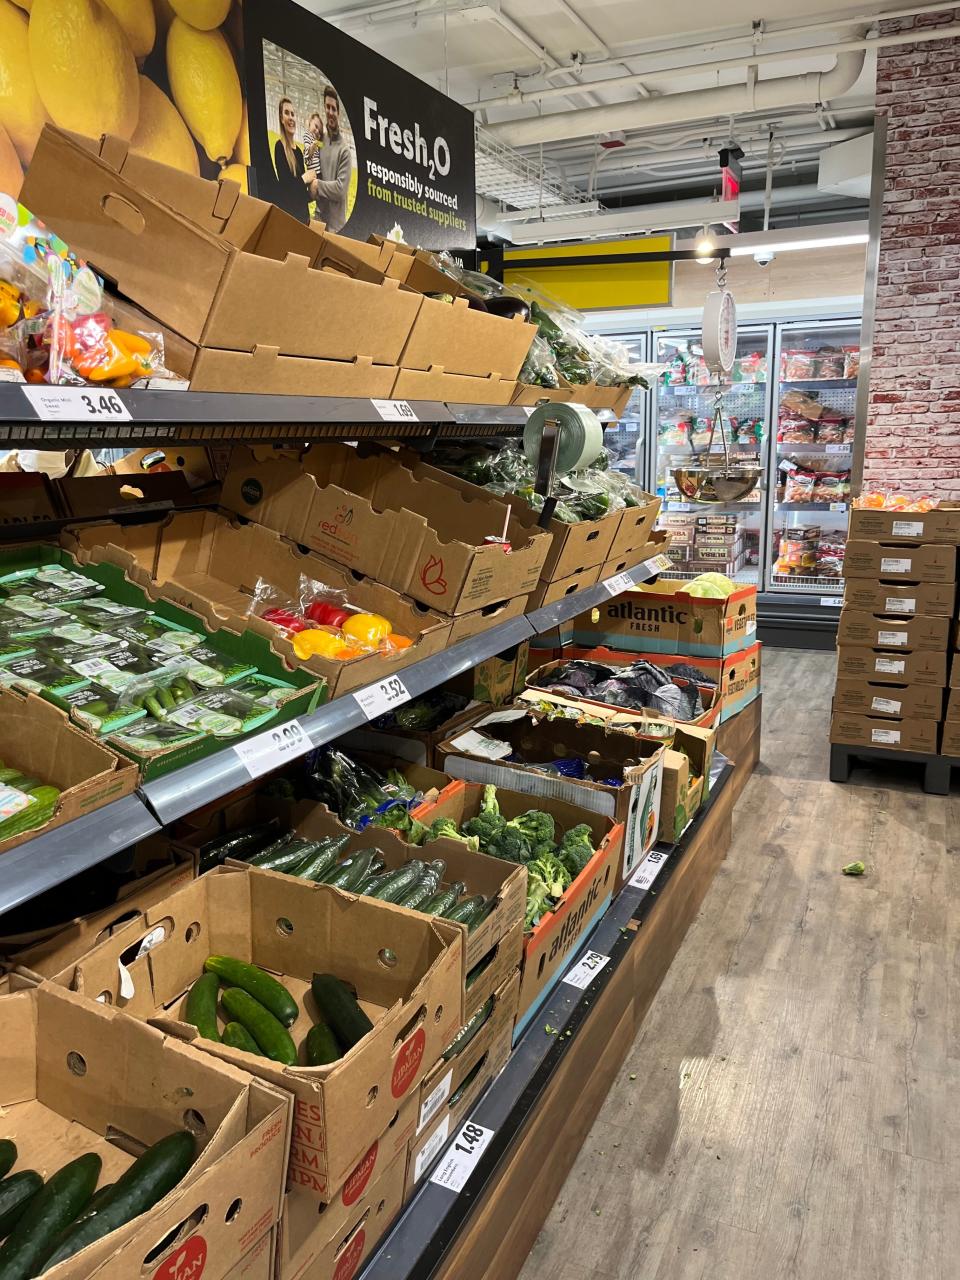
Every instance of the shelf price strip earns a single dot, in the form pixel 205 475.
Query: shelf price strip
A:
pixel 81 404
pixel 273 748
pixel 394 410
pixel 461 1159
pixel 383 696
pixel 584 971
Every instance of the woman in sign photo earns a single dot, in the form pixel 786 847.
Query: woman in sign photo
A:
pixel 288 161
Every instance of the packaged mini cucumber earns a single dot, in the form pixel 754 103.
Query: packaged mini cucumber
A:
pixel 114 669
pixel 36 673
pixel 206 667
pixel 50 581
pixel 150 737
pixel 224 713
pixel 159 693
pixel 101 613
pixel 24 611
pixel 63 635
pixel 101 710
pixel 14 645
pixel 264 691
pixel 25 802
pixel 158 635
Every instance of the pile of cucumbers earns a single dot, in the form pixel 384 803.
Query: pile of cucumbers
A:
pixel 259 1010
pixel 44 1223
pixel 417 884
pixel 40 806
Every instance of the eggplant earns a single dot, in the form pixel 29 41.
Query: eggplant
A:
pixel 508 307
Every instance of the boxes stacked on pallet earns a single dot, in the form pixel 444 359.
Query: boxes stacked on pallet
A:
pixel 896 629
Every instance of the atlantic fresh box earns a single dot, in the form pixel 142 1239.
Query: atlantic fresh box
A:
pixel 664 617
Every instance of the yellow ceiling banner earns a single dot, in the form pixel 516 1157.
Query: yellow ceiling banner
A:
pixel 597 275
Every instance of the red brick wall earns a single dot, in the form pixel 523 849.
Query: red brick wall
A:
pixel 913 426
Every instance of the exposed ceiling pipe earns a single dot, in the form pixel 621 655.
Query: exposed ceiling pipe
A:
pixel 547 60
pixel 605 226
pixel 568 10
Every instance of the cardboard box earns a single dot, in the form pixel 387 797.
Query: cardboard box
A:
pixel 934 599
pixel 533 395
pixel 437 383
pixel 360 259
pixel 876 731
pixel 740 681
pixel 663 617
pixel 659 544
pixel 500 963
pixel 294 929
pixel 465 625
pixel 950 739
pixel 374 516
pixel 79 1076
pixel 418 746
pixel 549 592
pixel 953 705
pixel 39 739
pixel 891 667
pixel 906 702
pixel 876 631
pixel 955 671
pixel 686 780
pixel 476 754
pixel 418 269
pixel 426 1147
pixel 940 525
pixel 448 1075
pixel 212 566
pixel 495 680
pixel 264 369
pixel 636 527
pixel 244 270
pixel 112 495
pixel 896 562
pixel 462 340
pixel 258 1264
pixel 26 498
pixel 309 1231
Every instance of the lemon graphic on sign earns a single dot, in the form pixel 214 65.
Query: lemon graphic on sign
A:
pixel 84 67
pixel 11 175
pixel 205 86
pixel 202 14
pixel 138 22
pixel 236 173
pixel 161 134
pixel 21 111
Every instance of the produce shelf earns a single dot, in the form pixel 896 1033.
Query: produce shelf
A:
pixel 54 856
pixel 423 1233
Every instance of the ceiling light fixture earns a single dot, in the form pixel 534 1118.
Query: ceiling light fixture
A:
pixel 786 246
pixel 705 247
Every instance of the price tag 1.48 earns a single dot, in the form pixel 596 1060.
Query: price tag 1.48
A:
pixel 585 970
pixel 460 1159
pixel 382 696
pixel 394 411
pixel 273 748
pixel 76 404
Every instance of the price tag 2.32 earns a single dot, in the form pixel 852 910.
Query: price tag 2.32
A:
pixel 394 411
pixel 382 696
pixel 461 1157
pixel 273 748
pixel 77 404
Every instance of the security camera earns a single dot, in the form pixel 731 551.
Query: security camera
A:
pixel 763 257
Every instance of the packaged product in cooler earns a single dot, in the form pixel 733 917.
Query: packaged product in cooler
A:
pixel 749 368
pixel 799 486
pixel 796 431
pixel 677 374
pixel 851 362
pixel 797 366
pixel 831 486
pixel 877 501
pixel 829 363
pixel 800 405
pixel 36 673
pixel 831 432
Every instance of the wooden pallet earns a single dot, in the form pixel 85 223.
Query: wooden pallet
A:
pixel 936 769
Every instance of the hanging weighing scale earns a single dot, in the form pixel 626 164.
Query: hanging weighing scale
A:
pixel 710 478
pixel 558 439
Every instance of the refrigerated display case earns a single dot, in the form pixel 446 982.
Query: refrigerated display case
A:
pixel 815 394
pixel 722 538
pixel 627 441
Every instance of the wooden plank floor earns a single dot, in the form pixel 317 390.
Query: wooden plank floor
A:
pixel 790 1105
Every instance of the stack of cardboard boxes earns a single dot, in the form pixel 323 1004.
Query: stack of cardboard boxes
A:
pixel 896 630
pixel 706 543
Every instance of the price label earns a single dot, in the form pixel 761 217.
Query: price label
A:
pixel 838 506
pixel 273 748
pixel 434 1101
pixel 431 1148
pixel 895 639
pixel 908 528
pixel 900 604
pixel 895 564
pixel 836 448
pixel 788 465
pixel 831 602
pixel 889 706
pixel 649 869
pixel 585 970
pixel 461 1159
pixel 76 404
pixel 394 411
pixel 383 696
pixel 890 666
pixel 658 563
pixel 621 582
pixel 680 506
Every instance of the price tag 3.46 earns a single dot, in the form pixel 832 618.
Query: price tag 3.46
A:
pixel 585 970
pixel 394 411
pixel 76 404
pixel 382 696
pixel 273 748
pixel 461 1157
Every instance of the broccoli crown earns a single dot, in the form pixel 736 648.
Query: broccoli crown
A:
pixel 488 803
pixel 576 849
pixel 538 828
pixel 448 828
pixel 538 902
pixel 551 871
pixel 486 826
pixel 509 844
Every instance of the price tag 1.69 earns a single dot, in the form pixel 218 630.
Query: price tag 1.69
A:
pixel 273 748
pixel 383 696
pixel 460 1159
pixel 649 869
pixel 77 404
pixel 394 411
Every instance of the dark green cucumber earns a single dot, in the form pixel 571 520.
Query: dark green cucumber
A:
pixel 422 891
pixel 468 1030
pixel 480 968
pixel 99 1199
pixel 266 989
pixel 321 1046
pixel 468 912
pixel 236 1035
pixel 394 886
pixel 465 1083
pixel 445 900
pixel 323 859
pixel 151 1176
pixel 16 1192
pixel 238 844
pixel 368 882
pixel 353 871
pixel 49 1212
pixel 201 1007
pixel 282 855
pixel 338 1007
pixel 8 1156
pixel 271 1036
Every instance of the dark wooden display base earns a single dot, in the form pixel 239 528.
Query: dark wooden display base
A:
pixel 739 740
pixel 503 1226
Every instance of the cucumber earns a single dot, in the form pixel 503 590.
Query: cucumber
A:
pixel 99 1197
pixel 236 1035
pixel 151 1176
pixel 323 859
pixel 201 1006
pixel 271 1036
pixel 445 900
pixel 51 1211
pixel 465 1083
pixel 238 844
pixel 353 871
pixel 16 1192
pixel 422 891
pixel 394 886
pixel 8 1156
pixel 34 815
pixel 282 854
pixel 468 912
pixel 468 1030
pixel 267 990
pixel 321 1046
pixel 368 882
pixel 338 1006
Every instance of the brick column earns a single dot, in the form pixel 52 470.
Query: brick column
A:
pixel 913 425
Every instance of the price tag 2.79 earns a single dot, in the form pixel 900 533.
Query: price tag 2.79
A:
pixel 382 696
pixel 622 582
pixel 273 748
pixel 394 411
pixel 585 970
pixel 461 1157
pixel 76 404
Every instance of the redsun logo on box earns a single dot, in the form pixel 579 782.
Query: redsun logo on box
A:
pixel 186 1263
pixel 351 1258
pixel 356 1184
pixel 408 1063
